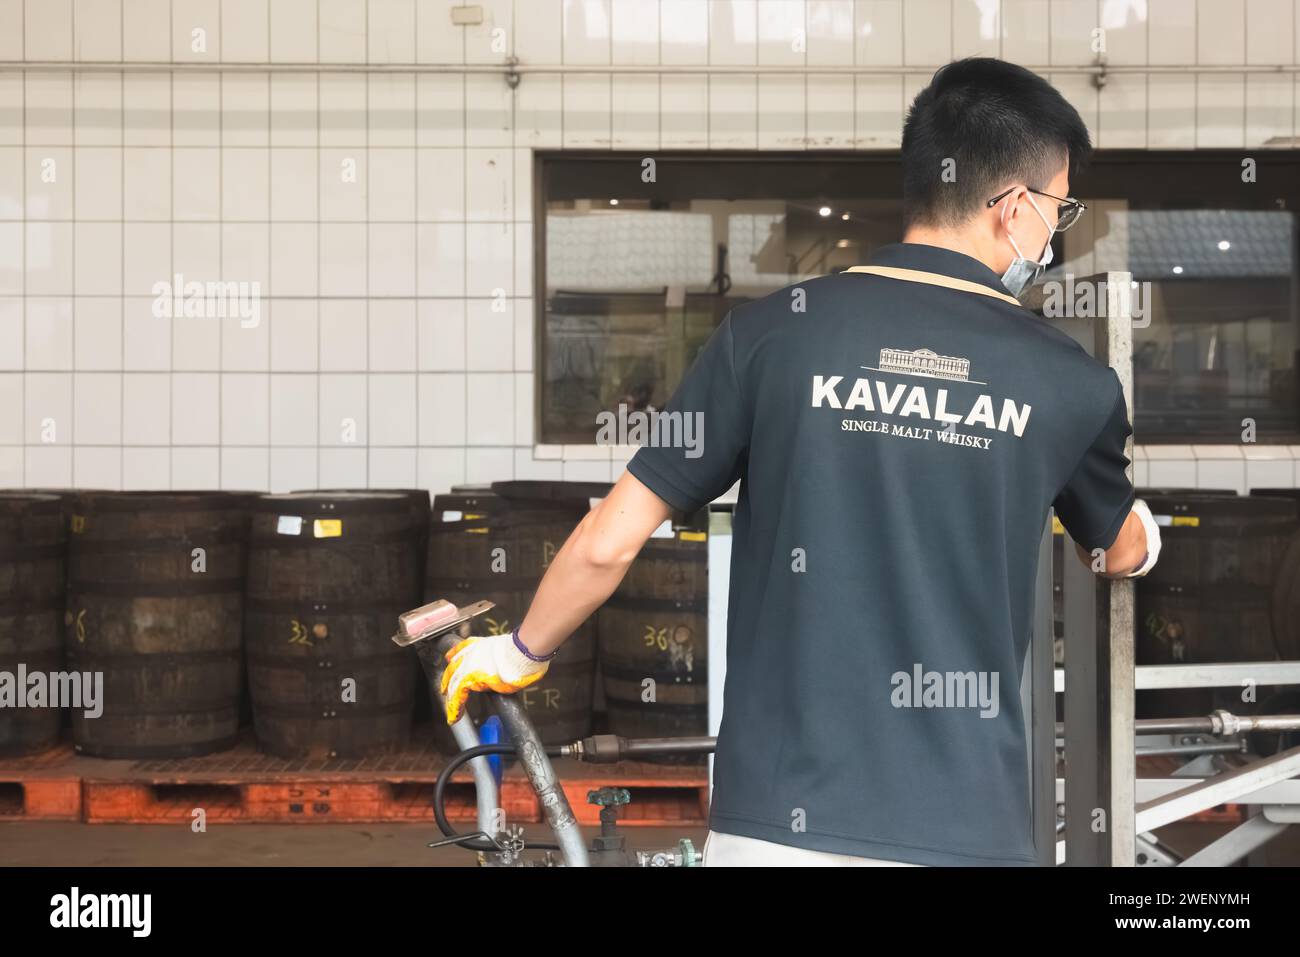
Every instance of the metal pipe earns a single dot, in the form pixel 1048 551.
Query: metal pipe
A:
pixel 1207 747
pixel 612 69
pixel 1229 724
pixel 532 755
pixel 689 745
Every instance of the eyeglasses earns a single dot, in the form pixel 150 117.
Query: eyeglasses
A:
pixel 1067 213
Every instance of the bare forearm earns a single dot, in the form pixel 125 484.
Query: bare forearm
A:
pixel 1125 554
pixel 591 563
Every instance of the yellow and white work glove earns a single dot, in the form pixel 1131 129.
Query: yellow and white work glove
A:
pixel 1143 512
pixel 489 663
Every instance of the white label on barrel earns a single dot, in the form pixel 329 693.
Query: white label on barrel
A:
pixel 450 516
pixel 1163 519
pixel 289 525
pixel 664 531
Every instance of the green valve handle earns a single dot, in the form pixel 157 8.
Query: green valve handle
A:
pixel 609 797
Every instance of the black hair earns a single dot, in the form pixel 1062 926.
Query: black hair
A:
pixel 999 123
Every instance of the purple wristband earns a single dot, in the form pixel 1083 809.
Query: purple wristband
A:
pixel 528 654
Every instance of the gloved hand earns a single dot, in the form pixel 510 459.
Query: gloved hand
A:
pixel 487 663
pixel 1143 512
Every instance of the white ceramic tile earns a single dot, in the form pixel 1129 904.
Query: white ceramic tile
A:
pixel 294 401
pixel 782 34
pixel 1073 32
pixel 489 336
pixel 392 409
pixel 634 32
pixel 11 334
pixel 294 333
pixel 539 109
pixel 976 28
pixel 48 109
pixel 587 105
pixel 1171 111
pixel 493 40
pixel 1081 93
pixel 293 103
pixel 342 36
pixel 392 335
pixel 246 253
pixel 1265 473
pixel 97 335
pixel 96 30
pixel 196 408
pixel 635 123
pixel 487 111
pixel 196 184
pixel 146 31
pixel 489 185
pixel 488 465
pixel 1122 122
pixel 537 31
pixel 147 256
pixel 878 32
pixel 97 468
pixel 1221 473
pixel 245 30
pixel 393 468
pixel 1026 31
pixel 489 273
pixel 439 469
pixel 11 408
pixel 245 468
pixel 684 121
pixel 879 104
pixel 1220 110
pixel 293 30
pixel 293 469
pixel 733 32
pixel 391 111
pixel 295 186
pixel 97 408
pixel 343 410
pixel 586 31
pixel 147 184
pixel 523 257
pixel 146 468
pixel 524 408
pixel 246 340
pixel 436 40
pixel 146 109
pixel 245 184
pixel 391 184
pixel 196 30
pixel 1221 32
pixel 342 468
pixel 1171 32
pixel 97 109
pixel 195 468
pixel 392 263
pixel 47 466
pixel 50 177
pixel 13 276
pixel 12 93
pixel 927 32
pixel 49 259
pixel 48 26
pixel 527 467
pixel 98 268
pixel 441 248
pixel 1171 473
pixel 294 259
pixel 586 471
pixel 390 31
pixel 781 112
pixel 442 398
pixel 490 413
pixel 49 334
pixel 245 109
pixel 343 337
pixel 196 109
pixel 146 339
pixel 13 189
pixel 684 31
pixel 830 111
pixel 342 109
pixel 733 112
pixel 1270 109
pixel 442 334
pixel 343 259
pixel 11 29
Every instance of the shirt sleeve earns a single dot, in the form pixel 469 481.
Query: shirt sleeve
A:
pixel 696 448
pixel 1098 495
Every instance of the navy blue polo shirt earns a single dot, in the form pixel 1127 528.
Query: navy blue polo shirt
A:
pixel 898 444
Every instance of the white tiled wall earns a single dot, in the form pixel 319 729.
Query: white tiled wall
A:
pixel 388 215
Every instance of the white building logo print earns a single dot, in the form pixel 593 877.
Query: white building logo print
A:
pixel 899 400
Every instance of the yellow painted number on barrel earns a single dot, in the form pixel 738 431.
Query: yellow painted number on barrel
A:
pixel 298 634
pixel 495 627
pixel 81 626
pixel 656 637
pixel 78 524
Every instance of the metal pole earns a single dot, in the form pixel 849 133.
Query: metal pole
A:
pixel 1041 708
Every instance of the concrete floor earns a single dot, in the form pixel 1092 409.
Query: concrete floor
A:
pixel 402 845
pixel 260 845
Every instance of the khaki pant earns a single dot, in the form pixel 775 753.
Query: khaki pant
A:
pixel 732 850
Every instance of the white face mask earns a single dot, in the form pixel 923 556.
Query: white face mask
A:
pixel 1022 272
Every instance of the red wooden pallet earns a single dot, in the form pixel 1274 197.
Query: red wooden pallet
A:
pixel 41 787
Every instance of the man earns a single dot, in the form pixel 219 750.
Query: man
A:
pixel 899 443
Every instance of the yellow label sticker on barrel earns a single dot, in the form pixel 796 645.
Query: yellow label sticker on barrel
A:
pixel 327 528
pixel 1188 521
pixel 693 536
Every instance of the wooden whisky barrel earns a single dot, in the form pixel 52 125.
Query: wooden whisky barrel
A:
pixel 155 603
pixel 33 552
pixel 328 574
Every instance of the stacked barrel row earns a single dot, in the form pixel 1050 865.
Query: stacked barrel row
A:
pixel 199 608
